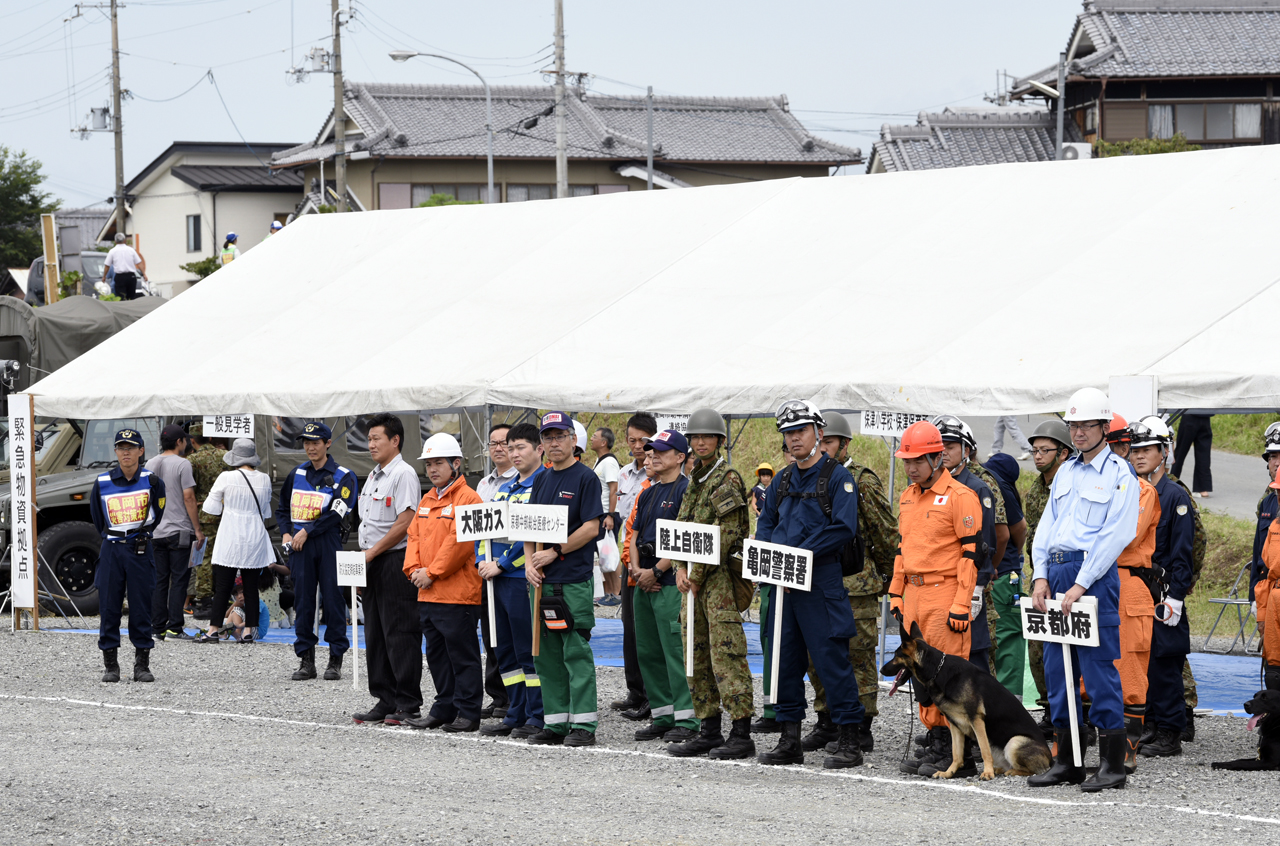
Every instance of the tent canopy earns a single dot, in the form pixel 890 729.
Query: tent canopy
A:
pixel 978 290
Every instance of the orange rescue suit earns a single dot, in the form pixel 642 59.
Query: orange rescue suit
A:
pixel 1137 608
pixel 433 544
pixel 935 570
pixel 1268 611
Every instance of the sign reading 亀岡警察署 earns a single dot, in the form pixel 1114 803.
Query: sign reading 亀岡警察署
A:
pixel 1079 627
pixel 777 564
pixel 537 523
pixel 228 426
pixel 481 521
pixel 889 424
pixel 693 542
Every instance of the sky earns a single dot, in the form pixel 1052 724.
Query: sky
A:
pixel 846 66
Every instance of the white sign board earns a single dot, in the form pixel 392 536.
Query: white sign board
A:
pixel 678 422
pixel 694 542
pixel 538 523
pixel 22 519
pixel 776 564
pixel 889 424
pixel 1079 628
pixel 351 568
pixel 228 426
pixel 482 521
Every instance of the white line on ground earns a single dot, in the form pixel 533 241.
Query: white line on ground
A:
pixel 937 784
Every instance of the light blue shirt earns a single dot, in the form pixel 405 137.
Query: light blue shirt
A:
pixel 1092 508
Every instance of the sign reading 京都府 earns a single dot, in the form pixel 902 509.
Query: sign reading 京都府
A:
pixel 1078 628
pixel 481 521
pixel 889 424
pixel 693 542
pixel 776 564
pixel 228 425
pixel 351 572
pixel 537 523
pixel 22 517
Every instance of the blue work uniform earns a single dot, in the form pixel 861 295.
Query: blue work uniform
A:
pixel 818 621
pixel 514 617
pixel 307 501
pixel 1170 644
pixel 1267 509
pixel 125 511
pixel 980 631
pixel 1091 516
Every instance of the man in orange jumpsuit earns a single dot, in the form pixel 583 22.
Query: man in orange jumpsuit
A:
pixel 936 569
pixel 1267 598
pixel 1137 607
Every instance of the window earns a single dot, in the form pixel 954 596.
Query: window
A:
pixel 1209 121
pixel 581 190
pixel 1190 120
pixel 1248 123
pixel 521 193
pixel 1160 121
pixel 474 193
pixel 193 233
pixel 1218 120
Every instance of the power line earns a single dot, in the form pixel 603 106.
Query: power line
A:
pixel 233 120
pixel 207 75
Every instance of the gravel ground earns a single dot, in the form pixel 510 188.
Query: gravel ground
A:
pixel 224 748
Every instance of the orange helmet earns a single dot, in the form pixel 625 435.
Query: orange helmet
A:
pixel 1119 432
pixel 921 438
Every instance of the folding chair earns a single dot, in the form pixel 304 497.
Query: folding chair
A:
pixel 1243 614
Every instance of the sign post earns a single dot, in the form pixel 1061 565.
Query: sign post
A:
pixel 1079 628
pixel 228 426
pixel 486 521
pixel 785 567
pixel 351 572
pixel 539 525
pixel 24 576
pixel 695 543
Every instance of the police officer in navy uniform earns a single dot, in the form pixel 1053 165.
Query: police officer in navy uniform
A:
pixel 818 620
pixel 127 503
pixel 314 499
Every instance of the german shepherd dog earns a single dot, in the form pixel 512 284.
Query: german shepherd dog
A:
pixel 975 705
pixel 1265 708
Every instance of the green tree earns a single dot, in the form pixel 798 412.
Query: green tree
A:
pixel 21 204
pixel 1143 147
pixel 203 267
pixel 445 200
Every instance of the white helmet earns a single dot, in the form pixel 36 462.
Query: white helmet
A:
pixel 1273 439
pixel 441 445
pixel 1150 431
pixel 795 413
pixel 581 432
pixel 1088 404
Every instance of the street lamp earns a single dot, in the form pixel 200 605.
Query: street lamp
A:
pixel 406 55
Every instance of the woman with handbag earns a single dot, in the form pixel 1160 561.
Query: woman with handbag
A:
pixel 243 497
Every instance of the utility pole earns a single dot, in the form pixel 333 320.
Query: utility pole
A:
pixel 562 133
pixel 1062 97
pixel 117 126
pixel 649 179
pixel 339 117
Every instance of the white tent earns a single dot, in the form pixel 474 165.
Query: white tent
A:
pixel 976 291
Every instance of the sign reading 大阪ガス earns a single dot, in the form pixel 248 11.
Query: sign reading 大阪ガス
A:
pixel 694 542
pixel 481 521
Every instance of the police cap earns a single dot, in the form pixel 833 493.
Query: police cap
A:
pixel 129 436
pixel 316 431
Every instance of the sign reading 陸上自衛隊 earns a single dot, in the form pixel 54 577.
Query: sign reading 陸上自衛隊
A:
pixel 693 542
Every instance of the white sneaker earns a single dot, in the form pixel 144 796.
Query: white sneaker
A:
pixel 992 454
pixel 1025 455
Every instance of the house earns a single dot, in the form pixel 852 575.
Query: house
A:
pixel 407 142
pixel 959 137
pixel 1209 69
pixel 182 205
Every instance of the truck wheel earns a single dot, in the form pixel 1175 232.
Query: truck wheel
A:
pixel 71 549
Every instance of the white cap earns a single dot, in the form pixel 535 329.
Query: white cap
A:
pixel 582 435
pixel 1088 404
pixel 441 445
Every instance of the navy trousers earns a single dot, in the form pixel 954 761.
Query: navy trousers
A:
pixel 1095 663
pixel 316 564
pixel 515 652
pixel 120 569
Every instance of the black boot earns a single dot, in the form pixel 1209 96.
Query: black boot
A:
pixel 1166 744
pixel 709 737
pixel 110 665
pixel 1088 735
pixel 1133 717
pixel 142 666
pixel 333 672
pixel 1189 733
pixel 1112 744
pixel 848 752
pixel 866 742
pixel 1046 725
pixel 1148 734
pixel 824 731
pixel 1064 769
pixel 937 747
pixel 306 669
pixel 739 745
pixel 766 725
pixel 788 750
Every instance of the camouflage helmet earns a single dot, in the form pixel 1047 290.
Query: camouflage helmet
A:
pixel 837 426
pixel 706 421
pixel 196 428
pixel 1054 430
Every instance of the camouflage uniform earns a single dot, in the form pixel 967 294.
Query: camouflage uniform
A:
pixel 206 465
pixel 720 671
pixel 879 530
pixel 1002 519
pixel 1033 505
pixel 1198 544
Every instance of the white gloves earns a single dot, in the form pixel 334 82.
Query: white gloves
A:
pixel 975 604
pixel 1175 612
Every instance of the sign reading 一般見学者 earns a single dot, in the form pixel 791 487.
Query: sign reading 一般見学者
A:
pixel 482 521
pixel 351 568
pixel 537 523
pixel 693 542
pixel 228 425
pixel 776 564
pixel 1079 627
pixel 22 557
pixel 889 424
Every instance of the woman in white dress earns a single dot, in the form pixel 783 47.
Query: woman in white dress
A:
pixel 243 497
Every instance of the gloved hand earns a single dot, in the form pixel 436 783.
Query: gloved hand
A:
pixel 1175 612
pixel 975 604
pixel 895 608
pixel 959 623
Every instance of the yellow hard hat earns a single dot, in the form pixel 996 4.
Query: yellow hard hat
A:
pixel 764 465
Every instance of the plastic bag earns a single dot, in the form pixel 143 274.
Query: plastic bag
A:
pixel 607 549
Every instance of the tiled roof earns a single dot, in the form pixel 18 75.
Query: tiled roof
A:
pixel 1172 38
pixel 237 178
pixel 448 121
pixel 961 138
